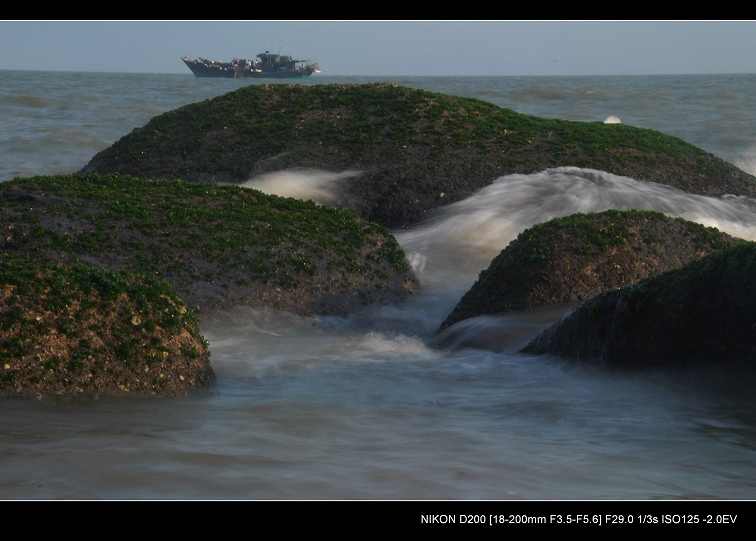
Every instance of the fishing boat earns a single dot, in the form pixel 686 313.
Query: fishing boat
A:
pixel 267 65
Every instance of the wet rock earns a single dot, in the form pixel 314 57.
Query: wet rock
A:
pixel 568 260
pixel 80 333
pixel 410 145
pixel 703 314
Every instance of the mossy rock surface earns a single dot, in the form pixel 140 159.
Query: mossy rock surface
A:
pixel 217 245
pixel 568 260
pixel 415 150
pixel 82 333
pixel 702 314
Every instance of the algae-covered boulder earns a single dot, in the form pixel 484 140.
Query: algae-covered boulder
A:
pixel 216 245
pixel 702 314
pixel 570 259
pixel 78 332
pixel 411 150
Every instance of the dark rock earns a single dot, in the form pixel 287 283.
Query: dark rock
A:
pixel 703 314
pixel 570 259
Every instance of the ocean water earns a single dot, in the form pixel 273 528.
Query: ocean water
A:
pixel 375 406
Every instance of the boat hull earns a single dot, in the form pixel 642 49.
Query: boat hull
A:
pixel 226 71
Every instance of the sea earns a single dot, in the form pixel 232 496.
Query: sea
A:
pixel 376 406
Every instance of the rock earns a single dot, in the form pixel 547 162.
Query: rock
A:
pixel 101 277
pixel 81 333
pixel 153 213
pixel 405 145
pixel 703 314
pixel 568 260
pixel 216 245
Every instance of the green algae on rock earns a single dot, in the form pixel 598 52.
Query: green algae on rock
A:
pixel 82 333
pixel 415 150
pixel 101 277
pixel 568 260
pixel 218 245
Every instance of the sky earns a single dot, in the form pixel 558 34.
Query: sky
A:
pixel 385 48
